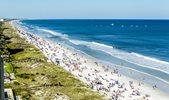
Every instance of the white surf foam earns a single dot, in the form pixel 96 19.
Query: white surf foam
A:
pixel 78 42
pixel 134 58
pixel 102 45
pixel 64 36
pixel 149 58
pixel 91 44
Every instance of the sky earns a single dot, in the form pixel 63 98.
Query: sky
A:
pixel 85 9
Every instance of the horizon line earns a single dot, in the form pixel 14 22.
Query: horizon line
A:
pixel 86 18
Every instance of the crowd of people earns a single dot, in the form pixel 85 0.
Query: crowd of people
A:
pixel 87 70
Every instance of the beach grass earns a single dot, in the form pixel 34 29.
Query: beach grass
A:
pixel 32 72
pixel 8 68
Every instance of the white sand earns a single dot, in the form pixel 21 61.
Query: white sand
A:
pixel 112 85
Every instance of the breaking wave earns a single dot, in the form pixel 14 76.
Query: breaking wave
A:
pixel 131 57
pixel 64 36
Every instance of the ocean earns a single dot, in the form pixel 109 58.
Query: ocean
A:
pixel 141 46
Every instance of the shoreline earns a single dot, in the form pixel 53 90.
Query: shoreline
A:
pixel 36 78
pixel 103 76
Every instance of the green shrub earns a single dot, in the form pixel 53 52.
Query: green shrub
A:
pixel 16 83
pixel 8 68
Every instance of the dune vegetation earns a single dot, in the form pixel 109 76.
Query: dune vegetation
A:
pixel 36 78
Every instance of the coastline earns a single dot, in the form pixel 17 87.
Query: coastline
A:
pixel 36 78
pixel 90 70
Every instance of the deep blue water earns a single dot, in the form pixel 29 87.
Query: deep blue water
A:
pixel 98 38
pixel 146 37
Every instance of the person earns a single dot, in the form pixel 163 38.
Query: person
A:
pixel 154 86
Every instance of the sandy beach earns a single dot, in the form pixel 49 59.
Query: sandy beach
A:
pixel 105 81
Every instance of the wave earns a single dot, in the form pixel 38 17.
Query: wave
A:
pixel 90 44
pixel 134 58
pixel 78 42
pixel 124 55
pixel 63 36
pixel 149 58
pixel 27 26
pixel 55 33
pixel 119 53
pixel 102 45
pixel 94 44
pixel 36 28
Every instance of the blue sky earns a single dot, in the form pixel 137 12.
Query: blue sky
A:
pixel 85 9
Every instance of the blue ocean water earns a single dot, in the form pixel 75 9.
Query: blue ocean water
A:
pixel 121 42
pixel 146 37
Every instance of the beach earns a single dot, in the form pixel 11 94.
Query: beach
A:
pixel 111 83
pixel 30 75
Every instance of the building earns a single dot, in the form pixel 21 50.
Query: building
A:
pixel 9 94
pixel 1 79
